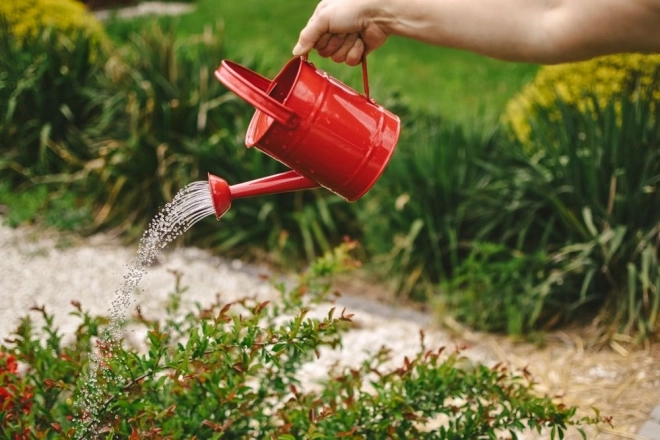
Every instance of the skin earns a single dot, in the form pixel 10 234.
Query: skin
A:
pixel 538 31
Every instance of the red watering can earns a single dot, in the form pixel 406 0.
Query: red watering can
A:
pixel 327 133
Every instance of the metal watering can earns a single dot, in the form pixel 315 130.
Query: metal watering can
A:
pixel 328 134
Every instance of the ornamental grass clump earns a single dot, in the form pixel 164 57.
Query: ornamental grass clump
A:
pixel 50 94
pixel 174 123
pixel 414 220
pixel 581 185
pixel 231 370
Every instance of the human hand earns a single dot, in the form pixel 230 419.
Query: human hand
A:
pixel 344 30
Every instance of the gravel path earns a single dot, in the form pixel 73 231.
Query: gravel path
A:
pixel 51 270
pixel 146 8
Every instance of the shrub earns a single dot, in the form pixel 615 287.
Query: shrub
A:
pixel 49 94
pixel 231 371
pixel 573 84
pixel 414 219
pixel 496 289
pixel 15 396
pixel 27 19
pixel 583 187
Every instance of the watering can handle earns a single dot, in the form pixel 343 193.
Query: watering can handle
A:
pixel 365 75
pixel 253 88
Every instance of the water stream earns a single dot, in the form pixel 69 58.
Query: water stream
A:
pixel 189 206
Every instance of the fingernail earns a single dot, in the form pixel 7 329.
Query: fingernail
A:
pixel 298 49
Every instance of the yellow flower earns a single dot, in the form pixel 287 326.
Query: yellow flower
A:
pixel 574 84
pixel 26 18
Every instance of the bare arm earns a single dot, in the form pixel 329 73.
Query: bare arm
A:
pixel 542 31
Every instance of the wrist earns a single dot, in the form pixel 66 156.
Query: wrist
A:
pixel 407 18
pixel 387 15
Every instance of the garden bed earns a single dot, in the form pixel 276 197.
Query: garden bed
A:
pixel 52 269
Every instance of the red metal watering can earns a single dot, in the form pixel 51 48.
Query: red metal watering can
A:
pixel 327 133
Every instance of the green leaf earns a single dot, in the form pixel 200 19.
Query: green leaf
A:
pixel 279 347
pixel 589 221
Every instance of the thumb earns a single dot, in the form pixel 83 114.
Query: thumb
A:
pixel 309 36
pixel 301 48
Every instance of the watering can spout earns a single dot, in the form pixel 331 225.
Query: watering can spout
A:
pixel 222 193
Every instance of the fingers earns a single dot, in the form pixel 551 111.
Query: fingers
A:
pixel 322 41
pixel 336 30
pixel 340 54
pixel 340 47
pixel 355 53
pixel 306 42
pixel 317 28
pixel 335 44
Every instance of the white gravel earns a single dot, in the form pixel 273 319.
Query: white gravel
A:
pixel 146 8
pixel 40 269
pixel 45 269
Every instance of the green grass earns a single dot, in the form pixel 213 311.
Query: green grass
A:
pixel 461 86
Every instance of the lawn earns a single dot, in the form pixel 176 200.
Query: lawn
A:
pixel 462 86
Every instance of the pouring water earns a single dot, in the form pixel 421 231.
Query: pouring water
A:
pixel 189 206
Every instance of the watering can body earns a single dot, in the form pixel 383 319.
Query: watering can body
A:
pixel 327 133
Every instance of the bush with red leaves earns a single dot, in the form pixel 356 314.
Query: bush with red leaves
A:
pixel 14 398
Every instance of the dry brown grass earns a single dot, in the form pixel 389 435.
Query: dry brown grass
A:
pixel 622 383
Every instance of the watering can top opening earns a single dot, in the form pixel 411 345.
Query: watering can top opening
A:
pixel 298 89
pixel 250 85
pixel 327 133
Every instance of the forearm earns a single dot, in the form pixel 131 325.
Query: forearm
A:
pixel 544 31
